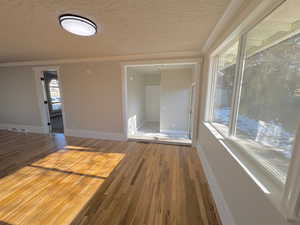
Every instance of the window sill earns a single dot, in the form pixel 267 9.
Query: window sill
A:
pixel 272 187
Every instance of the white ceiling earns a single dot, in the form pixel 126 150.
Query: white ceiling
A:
pixel 30 30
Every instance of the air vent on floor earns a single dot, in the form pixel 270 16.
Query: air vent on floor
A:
pixel 14 129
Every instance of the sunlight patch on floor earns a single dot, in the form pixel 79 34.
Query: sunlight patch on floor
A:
pixel 77 147
pixel 54 189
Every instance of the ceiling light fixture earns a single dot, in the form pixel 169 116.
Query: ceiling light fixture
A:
pixel 78 25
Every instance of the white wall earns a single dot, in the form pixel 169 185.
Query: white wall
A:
pixel 135 101
pixel 152 103
pixel 247 203
pixel 175 96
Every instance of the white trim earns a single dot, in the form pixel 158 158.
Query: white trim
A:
pixel 195 103
pixel 41 95
pixel 223 209
pixel 22 128
pixel 272 187
pixel 124 101
pixel 177 132
pixel 195 62
pixel 237 85
pixel 40 99
pixel 163 55
pixel 260 11
pixel 159 141
pixel 266 181
pixel 209 89
pixel 291 197
pixel 162 62
pixel 95 134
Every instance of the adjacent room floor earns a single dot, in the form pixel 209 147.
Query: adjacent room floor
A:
pixel 66 180
pixel 151 131
pixel 57 123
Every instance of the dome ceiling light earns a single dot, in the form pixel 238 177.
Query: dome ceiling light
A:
pixel 78 25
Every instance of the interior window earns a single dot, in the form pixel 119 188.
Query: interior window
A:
pixel 224 79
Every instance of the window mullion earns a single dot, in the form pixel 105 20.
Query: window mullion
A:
pixel 291 197
pixel 239 70
pixel 213 88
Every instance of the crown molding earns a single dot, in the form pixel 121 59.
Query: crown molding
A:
pixel 238 20
pixel 153 56
pixel 178 61
pixel 227 16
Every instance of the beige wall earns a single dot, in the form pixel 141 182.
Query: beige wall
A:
pixel 18 98
pixel 135 101
pixel 92 97
pixel 175 91
pixel 92 94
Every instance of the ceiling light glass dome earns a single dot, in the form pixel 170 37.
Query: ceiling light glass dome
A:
pixel 78 25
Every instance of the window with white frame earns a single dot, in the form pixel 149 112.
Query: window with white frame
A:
pixel 256 89
pixel 225 66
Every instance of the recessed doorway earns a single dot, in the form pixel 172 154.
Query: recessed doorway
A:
pixel 53 101
pixel 160 102
pixel 50 99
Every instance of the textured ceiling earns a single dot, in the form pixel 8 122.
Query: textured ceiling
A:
pixel 30 29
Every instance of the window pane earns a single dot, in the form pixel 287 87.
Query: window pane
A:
pixel 225 72
pixel 54 91
pixel 270 96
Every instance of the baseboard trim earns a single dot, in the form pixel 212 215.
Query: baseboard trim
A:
pixel 223 209
pixel 179 132
pixel 22 128
pixel 95 134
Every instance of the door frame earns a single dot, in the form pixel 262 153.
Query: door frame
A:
pixel 191 111
pixel 41 96
pixel 196 65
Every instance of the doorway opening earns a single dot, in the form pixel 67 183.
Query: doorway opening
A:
pixel 50 99
pixel 53 101
pixel 160 102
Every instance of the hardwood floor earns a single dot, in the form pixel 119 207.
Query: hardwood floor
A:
pixel 61 180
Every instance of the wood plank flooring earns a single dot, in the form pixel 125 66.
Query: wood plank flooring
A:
pixel 57 180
